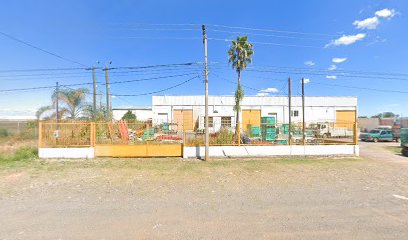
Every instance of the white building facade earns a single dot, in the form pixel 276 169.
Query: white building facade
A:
pixel 189 111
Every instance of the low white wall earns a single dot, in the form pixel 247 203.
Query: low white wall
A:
pixel 66 152
pixel 259 151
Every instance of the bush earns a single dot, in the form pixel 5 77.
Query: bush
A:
pixel 22 154
pixel 3 133
pixel 224 136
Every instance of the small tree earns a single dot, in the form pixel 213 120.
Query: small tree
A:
pixel 72 104
pixel 129 116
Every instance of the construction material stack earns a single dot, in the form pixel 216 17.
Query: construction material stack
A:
pixel 404 136
pixel 268 129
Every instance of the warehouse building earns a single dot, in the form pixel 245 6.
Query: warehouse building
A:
pixel 189 111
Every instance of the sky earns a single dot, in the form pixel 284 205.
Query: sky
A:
pixel 341 48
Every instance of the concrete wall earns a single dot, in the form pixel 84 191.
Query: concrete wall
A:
pixel 259 151
pixel 66 152
pixel 223 151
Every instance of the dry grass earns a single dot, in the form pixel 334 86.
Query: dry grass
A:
pixel 10 145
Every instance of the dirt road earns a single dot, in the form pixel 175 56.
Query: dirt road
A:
pixel 345 198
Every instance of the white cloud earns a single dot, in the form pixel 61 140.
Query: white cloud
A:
pixel 310 63
pixel 331 77
pixel 332 67
pixel 307 80
pixel 269 90
pixel 385 13
pixel 346 40
pixel 339 60
pixel 368 23
pixel 260 94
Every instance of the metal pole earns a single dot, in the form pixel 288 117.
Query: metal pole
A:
pixel 107 93
pixel 303 112
pixel 94 92
pixel 290 110
pixel 57 99
pixel 207 142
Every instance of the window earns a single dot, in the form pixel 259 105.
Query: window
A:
pixel 210 121
pixel 226 122
pixel 295 113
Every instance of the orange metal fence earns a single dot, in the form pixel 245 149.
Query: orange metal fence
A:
pixel 78 134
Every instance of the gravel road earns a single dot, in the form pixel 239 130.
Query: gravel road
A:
pixel 343 198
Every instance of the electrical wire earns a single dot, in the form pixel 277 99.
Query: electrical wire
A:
pixel 103 84
pixel 269 43
pixel 41 49
pixel 159 91
pixel 267 35
pixel 271 30
pixel 360 88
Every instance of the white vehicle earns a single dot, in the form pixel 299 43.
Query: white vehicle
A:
pixel 325 130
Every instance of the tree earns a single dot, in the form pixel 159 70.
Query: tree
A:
pixel 385 115
pixel 240 54
pixel 72 104
pixel 129 116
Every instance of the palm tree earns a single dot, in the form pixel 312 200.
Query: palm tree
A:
pixel 240 54
pixel 72 104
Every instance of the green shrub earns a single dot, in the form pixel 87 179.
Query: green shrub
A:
pixel 224 136
pixel 3 133
pixel 22 154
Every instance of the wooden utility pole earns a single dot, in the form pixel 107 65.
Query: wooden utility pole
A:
pixel 207 134
pixel 94 92
pixel 290 109
pixel 57 102
pixel 108 114
pixel 303 113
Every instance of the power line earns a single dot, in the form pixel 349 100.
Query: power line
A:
pixel 83 84
pixel 173 65
pixel 163 29
pixel 146 79
pixel 361 88
pixel 160 38
pixel 163 24
pixel 271 30
pixel 43 69
pixel 270 43
pixel 41 49
pixel 318 69
pixel 268 35
pixel 159 91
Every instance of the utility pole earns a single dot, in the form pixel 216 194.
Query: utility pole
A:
pixel 56 101
pixel 207 142
pixel 290 110
pixel 94 92
pixel 108 114
pixel 100 100
pixel 303 113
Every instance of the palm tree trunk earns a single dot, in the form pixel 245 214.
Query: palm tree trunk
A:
pixel 238 108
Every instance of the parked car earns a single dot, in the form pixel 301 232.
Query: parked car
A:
pixel 396 133
pixel 404 150
pixel 324 130
pixel 377 135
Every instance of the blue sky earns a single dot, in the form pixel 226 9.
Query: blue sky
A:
pixel 302 39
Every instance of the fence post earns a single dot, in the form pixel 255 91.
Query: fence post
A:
pixel 184 134
pixel 239 134
pixel 355 134
pixel 93 134
pixel 39 134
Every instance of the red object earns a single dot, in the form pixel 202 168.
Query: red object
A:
pixel 168 137
pixel 124 133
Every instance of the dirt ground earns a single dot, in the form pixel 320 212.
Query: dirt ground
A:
pixel 278 198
